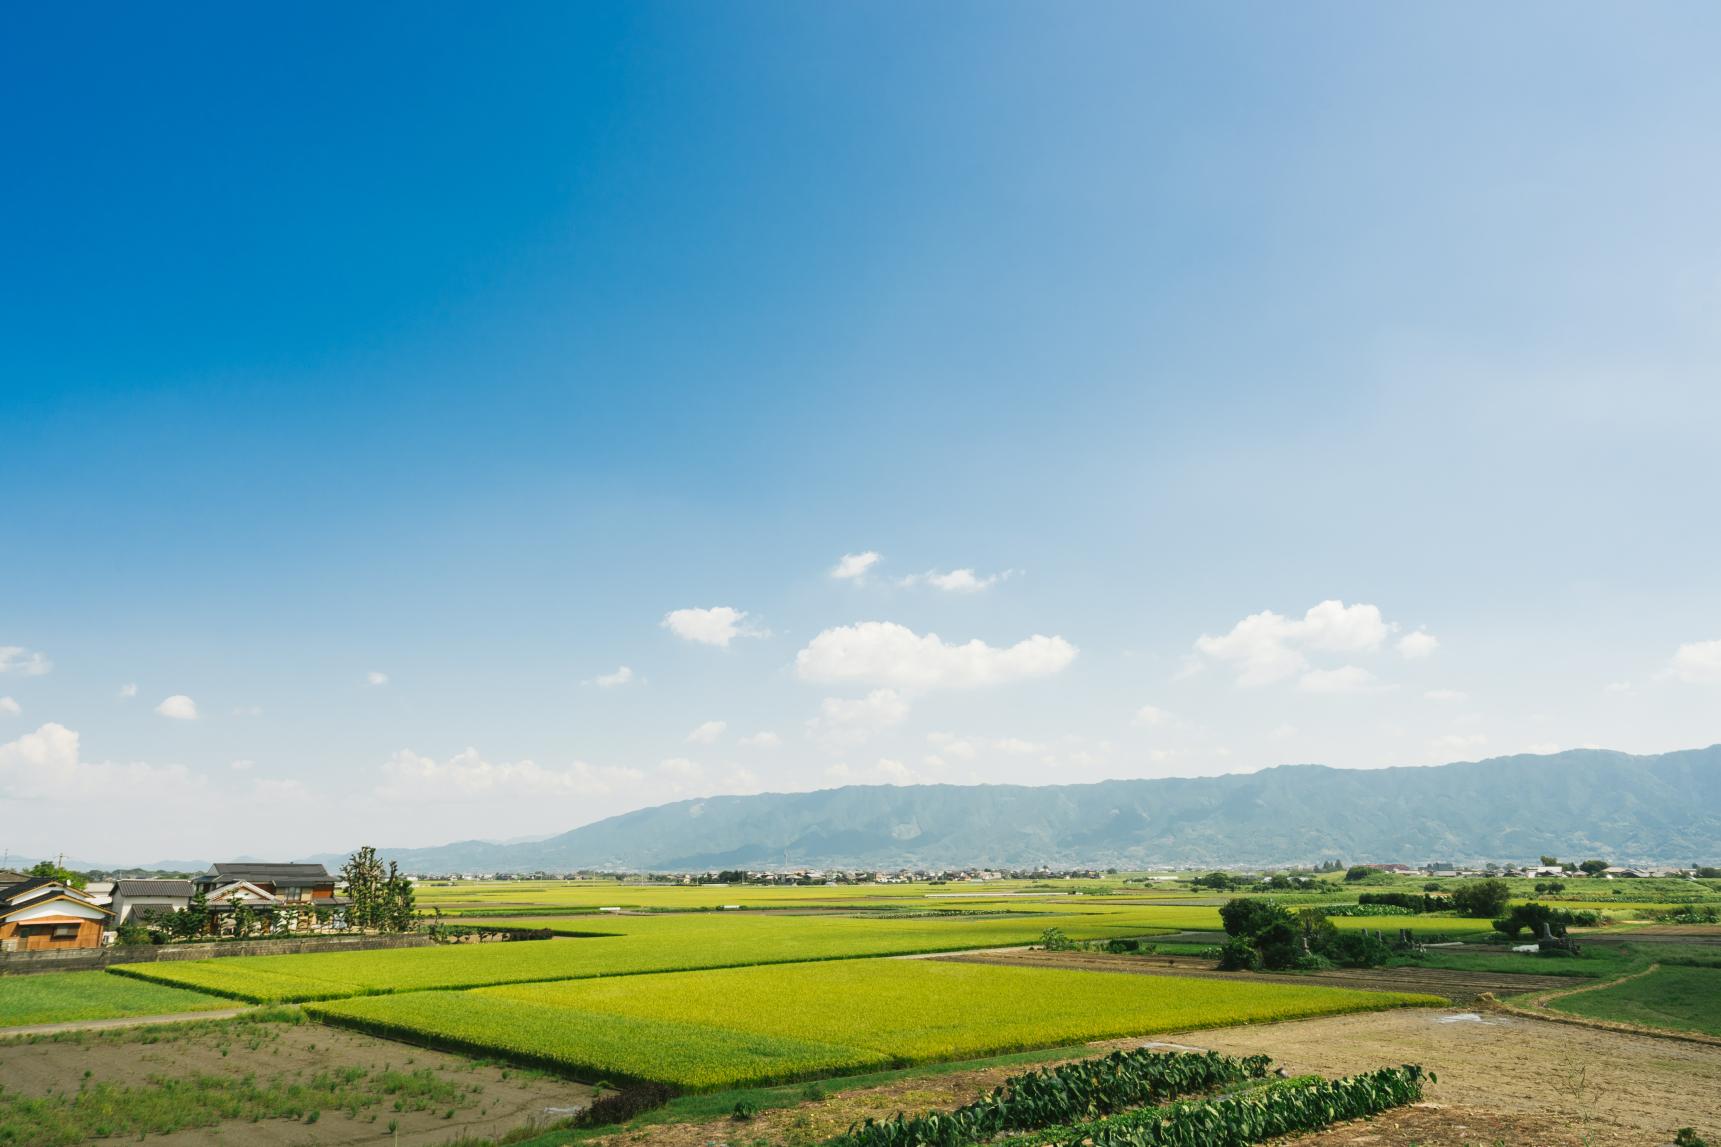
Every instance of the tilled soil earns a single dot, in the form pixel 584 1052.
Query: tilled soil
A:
pixel 1502 1081
pixel 1553 1083
pixel 1458 986
pixel 507 1099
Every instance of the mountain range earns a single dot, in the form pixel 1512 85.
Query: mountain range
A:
pixel 1584 802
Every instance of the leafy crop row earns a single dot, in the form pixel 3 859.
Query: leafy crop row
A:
pixel 1084 1090
pixel 1247 1117
pixel 1366 910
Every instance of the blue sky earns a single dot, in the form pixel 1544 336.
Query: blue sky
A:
pixel 466 348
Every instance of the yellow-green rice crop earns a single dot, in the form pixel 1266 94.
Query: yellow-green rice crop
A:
pixel 801 1019
pixel 648 944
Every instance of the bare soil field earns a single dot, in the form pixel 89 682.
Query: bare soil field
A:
pixel 496 1099
pixel 1503 1080
pixel 1460 987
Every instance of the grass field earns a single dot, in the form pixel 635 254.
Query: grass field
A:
pixel 61 997
pixel 759 1025
pixel 664 943
pixel 1677 998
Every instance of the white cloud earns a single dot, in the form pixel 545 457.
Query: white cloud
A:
pixel 247 710
pixel 707 733
pixel 681 768
pixel 763 739
pixel 1619 687
pixel 242 765
pixel 1015 746
pixel 956 581
pixel 953 746
pixel 408 776
pixel 47 765
pixel 1152 715
pixel 887 771
pixel 376 678
pixel 1346 679
pixel 1542 748
pixel 846 721
pixel 885 653
pixel 718 625
pixel 1415 646
pixel 1266 647
pixel 622 676
pixel 1458 742
pixel 1283 732
pixel 742 782
pixel 1445 695
pixel 9 707
pixel 24 662
pixel 128 691
pixel 272 789
pixel 1698 663
pixel 895 772
pixel 854 567
pixel 179 707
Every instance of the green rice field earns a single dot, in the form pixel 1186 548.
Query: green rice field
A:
pixel 664 943
pixel 768 1024
pixel 1676 998
pixel 64 997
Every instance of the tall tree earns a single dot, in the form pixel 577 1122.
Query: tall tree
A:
pixel 364 878
pixel 48 870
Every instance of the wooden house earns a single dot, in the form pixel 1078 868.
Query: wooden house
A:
pixel 43 913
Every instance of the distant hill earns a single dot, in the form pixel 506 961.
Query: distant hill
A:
pixel 1586 802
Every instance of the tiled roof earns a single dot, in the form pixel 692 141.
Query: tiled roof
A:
pixel 152 888
pixel 244 870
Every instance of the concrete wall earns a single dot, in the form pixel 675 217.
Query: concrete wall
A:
pixel 71 960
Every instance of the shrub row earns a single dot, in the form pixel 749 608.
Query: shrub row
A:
pixel 1415 901
pixel 1068 1093
pixel 1367 910
pixel 1252 1116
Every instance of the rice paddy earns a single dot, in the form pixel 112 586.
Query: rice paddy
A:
pixel 666 943
pixel 768 1024
pixel 63 997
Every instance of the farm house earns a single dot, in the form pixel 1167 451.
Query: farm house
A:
pixel 43 913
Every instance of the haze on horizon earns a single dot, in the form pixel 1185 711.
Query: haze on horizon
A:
pixel 475 425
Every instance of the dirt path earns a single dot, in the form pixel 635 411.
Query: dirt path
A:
pixel 1460 987
pixel 123 1022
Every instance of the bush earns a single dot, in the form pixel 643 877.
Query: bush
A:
pixel 1313 962
pixel 1054 940
pixel 1410 900
pixel 1238 955
pixel 620 1106
pixel 1280 945
pixel 1482 898
pixel 1247 919
pixel 1533 915
pixel 1358 872
pixel 745 1109
pixel 1357 950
